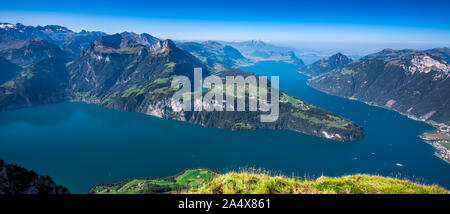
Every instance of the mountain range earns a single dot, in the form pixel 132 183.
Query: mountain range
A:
pixel 258 50
pixel 325 65
pixel 15 36
pixel 133 72
pixel 216 56
pixel 415 83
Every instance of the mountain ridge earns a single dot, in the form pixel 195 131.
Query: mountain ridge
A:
pixel 73 43
pixel 325 65
pixel 32 51
pixel 408 81
pixel 126 75
pixel 258 50
pixel 215 55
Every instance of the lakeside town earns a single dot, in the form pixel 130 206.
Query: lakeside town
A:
pixel 440 140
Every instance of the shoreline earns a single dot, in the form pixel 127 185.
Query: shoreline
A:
pixel 440 128
pixel 436 140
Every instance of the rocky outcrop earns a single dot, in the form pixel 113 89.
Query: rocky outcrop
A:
pixel 18 180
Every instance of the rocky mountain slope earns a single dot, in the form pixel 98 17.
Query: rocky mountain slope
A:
pixel 8 70
pixel 411 82
pixel 325 65
pixel 45 82
pixel 142 39
pixel 17 180
pixel 33 50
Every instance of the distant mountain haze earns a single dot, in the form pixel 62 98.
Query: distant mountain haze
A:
pixel 325 65
pixel 262 51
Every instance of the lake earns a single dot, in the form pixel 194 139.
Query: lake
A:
pixel 80 145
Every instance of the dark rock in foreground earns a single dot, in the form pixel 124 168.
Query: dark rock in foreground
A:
pixel 18 180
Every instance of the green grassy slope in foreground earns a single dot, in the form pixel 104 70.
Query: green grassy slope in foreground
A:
pixel 209 182
pixel 191 178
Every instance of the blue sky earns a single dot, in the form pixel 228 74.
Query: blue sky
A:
pixel 381 21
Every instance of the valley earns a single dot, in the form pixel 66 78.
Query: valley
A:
pixel 413 83
pixel 107 98
pixel 132 72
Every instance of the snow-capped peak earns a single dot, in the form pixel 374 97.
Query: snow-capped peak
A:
pixel 6 26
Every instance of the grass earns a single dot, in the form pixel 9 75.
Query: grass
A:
pixel 242 126
pixel 252 182
pixel 169 68
pixel 347 72
pixel 131 187
pixel 192 178
pixel 195 177
pixel 338 122
pixel 299 115
pixel 164 90
pixel 366 184
pixel 69 63
pixel 108 98
pixel 170 65
pixel 28 74
pixel 298 104
pixel 133 89
pixel 161 80
pixel 446 145
pixel 333 121
pixel 289 99
pixel 9 84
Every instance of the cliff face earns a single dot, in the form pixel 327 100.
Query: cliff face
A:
pixel 17 180
pixel 410 82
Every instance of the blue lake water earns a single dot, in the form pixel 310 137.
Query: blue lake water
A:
pixel 80 145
